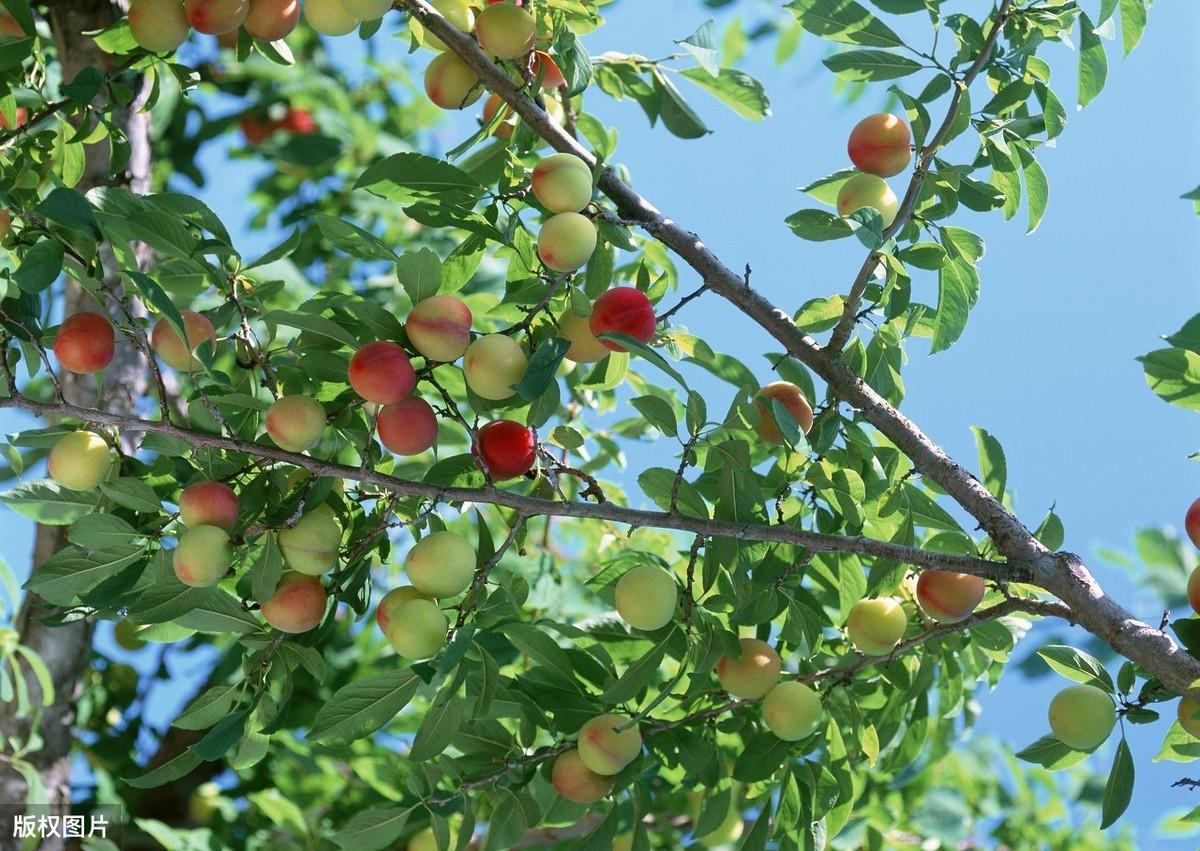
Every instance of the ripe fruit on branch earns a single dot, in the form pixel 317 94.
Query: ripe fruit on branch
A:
pixel 1189 716
pixel 329 17
pixel 368 10
pixel 585 348
pixel 791 711
pixel 1191 522
pixel 450 82
pixel 948 597
pixel 493 364
pixel 876 626
pixel 562 183
pixel 272 20
pixel 5 222
pixel 297 605
pixel 295 423
pixel 603 749
pixel 1082 716
pixel 1193 590
pixel 566 241
pixel 202 556
pixel 392 599
pixel 85 343
pixel 752 674
pixel 159 26
pixel 439 327
pixel 547 69
pixel 508 449
pixel 171 347
pixel 575 781
pixel 216 16
pixel 80 460
pixel 880 144
pixel 505 31
pixel 407 428
pixel 646 597
pixel 623 310
pixel 380 372
pixel 209 504
pixel 417 629
pixel 495 104
pixel 458 13
pixel 311 546
pixel 298 120
pixel 867 190
pixel 441 564
pixel 793 401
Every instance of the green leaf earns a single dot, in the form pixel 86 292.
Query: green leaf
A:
pixel 40 266
pixel 312 323
pixel 958 290
pixel 407 176
pixel 736 89
pixel 702 45
pixel 1133 23
pixel 223 736
pixel 640 674
pixel 420 273
pixel 1093 63
pixel 439 726
pixel 542 367
pixel 180 766
pixel 1119 789
pixel 372 830
pixel 870 65
pixel 1173 375
pixel 1076 665
pixel 635 347
pixel 992 465
pixel 362 707
pixel 677 116
pixel 657 483
pixel 844 21
pixel 818 225
pixel 658 412
pixel 208 708
pixel 133 494
pixel 1050 753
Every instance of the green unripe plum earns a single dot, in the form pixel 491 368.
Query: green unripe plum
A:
pixel 216 17
pixel 426 840
pixel 566 241
pixel 1189 716
pixel 728 832
pixel 295 423
pixel 1082 716
pixel 367 10
pixel 493 364
pixel 125 633
pixel 173 349
pixel 603 749
pixel 417 629
pixel 297 605
pixel 1193 589
pixel 439 327
pixel 392 599
pixel 948 597
pixel 575 781
pixel 202 556
pixel 450 82
pixel 441 564
pixel 623 842
pixel 754 673
pixel 562 183
pixel 80 460
pixel 203 804
pixel 876 626
pixel 159 26
pixel 646 597
pixel 505 30
pixel 791 711
pixel 311 546
pixel 329 17
pixel 585 346
pixel 867 190
pixel 456 12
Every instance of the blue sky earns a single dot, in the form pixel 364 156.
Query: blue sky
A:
pixel 1047 361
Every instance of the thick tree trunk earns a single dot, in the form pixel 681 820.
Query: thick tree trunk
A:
pixel 66 649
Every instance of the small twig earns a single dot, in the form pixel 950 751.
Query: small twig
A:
pixel 695 294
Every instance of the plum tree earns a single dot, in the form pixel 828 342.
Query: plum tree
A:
pixel 202 556
pixel 791 710
pixel 439 327
pixel 392 599
pixel 441 564
pixel 493 364
pixel 646 597
pixel 566 241
pixel 623 310
pixel 409 427
pixel 585 347
pixel 159 26
pixel 505 31
pixel 752 674
pixel 295 423
pixel 1082 716
pixel 85 343
pixel 311 546
pixel 1191 522
pixel 794 402
pixel 417 629
pixel 575 781
pixel 948 597
pixel 329 17
pixel 876 626
pixel 604 747
pixel 171 347
pixel 214 17
pixel 562 183
pixel 880 144
pixel 368 10
pixel 125 633
pixel 507 448
pixel 867 190
pixel 381 372
pixel 209 504
pixel 80 460
pixel 1188 714
pixel 272 20
pixel 450 83
pixel 297 605
pixel 459 13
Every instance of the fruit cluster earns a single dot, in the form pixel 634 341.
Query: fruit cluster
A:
pixel 879 146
